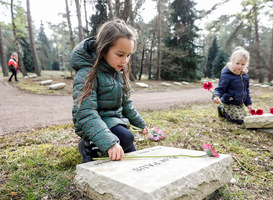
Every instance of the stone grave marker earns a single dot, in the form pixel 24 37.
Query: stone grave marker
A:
pixel 166 84
pixel 154 178
pixel 56 86
pixel 259 121
pixel 33 76
pixel 185 83
pixel 142 85
pixel 177 83
pixel 46 82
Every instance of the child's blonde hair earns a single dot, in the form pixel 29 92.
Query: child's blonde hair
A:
pixel 238 54
pixel 106 37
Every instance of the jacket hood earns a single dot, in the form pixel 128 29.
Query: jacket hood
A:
pixel 84 54
pixel 228 69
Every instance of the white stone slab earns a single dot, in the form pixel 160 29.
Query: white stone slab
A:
pixel 166 84
pixel 265 86
pixel 154 178
pixel 257 85
pixel 176 83
pixel 142 85
pixel 259 121
pixel 56 86
pixel 46 82
pixel 33 76
pixel 185 83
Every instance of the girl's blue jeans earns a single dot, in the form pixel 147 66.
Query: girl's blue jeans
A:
pixel 126 138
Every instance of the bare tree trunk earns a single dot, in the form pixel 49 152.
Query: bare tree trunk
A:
pixel 159 40
pixel 142 60
pixel 78 7
pixel 85 16
pixel 21 64
pixel 117 5
pixel 270 60
pixel 127 10
pixel 72 42
pixel 3 56
pixel 111 15
pixel 151 53
pixel 259 67
pixel 32 41
pixel 133 75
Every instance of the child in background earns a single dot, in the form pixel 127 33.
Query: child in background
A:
pixel 233 88
pixel 103 106
pixel 13 66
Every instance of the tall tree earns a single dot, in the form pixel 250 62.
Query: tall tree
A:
pixel 213 50
pixel 16 40
pixel 72 42
pixel 218 63
pixel 110 7
pixel 44 49
pixel 78 9
pixel 158 77
pixel 3 56
pixel 99 17
pixel 270 60
pixel 180 58
pixel 32 41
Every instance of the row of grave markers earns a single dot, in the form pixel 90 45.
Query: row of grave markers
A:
pixel 51 86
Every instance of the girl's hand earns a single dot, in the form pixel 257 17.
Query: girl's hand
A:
pixel 145 131
pixel 116 152
pixel 250 107
pixel 217 100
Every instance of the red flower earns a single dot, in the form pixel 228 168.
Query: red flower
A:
pixel 259 112
pixel 207 85
pixel 209 150
pixel 271 110
pixel 252 112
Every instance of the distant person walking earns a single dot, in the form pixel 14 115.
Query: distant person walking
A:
pixel 13 66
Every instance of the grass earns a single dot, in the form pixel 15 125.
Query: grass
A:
pixel 41 164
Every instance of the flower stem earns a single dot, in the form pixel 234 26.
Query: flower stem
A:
pixel 106 158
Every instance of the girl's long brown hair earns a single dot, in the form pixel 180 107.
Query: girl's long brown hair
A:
pixel 107 35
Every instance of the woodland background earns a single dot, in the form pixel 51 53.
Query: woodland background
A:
pixel 171 46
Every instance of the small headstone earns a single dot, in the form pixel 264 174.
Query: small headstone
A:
pixel 176 83
pixel 257 85
pixel 33 76
pixel 25 77
pixel 166 84
pixel 265 86
pixel 46 82
pixel 142 85
pixel 259 121
pixel 185 83
pixel 56 86
pixel 154 178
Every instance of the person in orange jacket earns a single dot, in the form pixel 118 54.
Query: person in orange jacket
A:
pixel 13 66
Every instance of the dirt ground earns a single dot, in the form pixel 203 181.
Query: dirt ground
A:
pixel 24 112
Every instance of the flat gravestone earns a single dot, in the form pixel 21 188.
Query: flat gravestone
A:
pixel 154 178
pixel 259 121
pixel 56 86
pixel 46 82
pixel 166 84
pixel 142 85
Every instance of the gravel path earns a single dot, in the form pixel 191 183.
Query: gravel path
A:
pixel 23 112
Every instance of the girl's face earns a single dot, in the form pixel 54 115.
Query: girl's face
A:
pixel 239 65
pixel 118 56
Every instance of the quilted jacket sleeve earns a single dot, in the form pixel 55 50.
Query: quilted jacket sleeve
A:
pixel 88 123
pixel 130 112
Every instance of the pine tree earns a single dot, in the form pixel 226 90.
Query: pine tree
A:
pixel 44 49
pixel 100 17
pixel 180 59
pixel 218 63
pixel 211 56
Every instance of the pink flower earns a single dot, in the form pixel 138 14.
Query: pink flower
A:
pixel 156 134
pixel 259 112
pixel 207 86
pixel 271 110
pixel 252 112
pixel 209 150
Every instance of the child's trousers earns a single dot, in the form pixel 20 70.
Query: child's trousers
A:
pixel 126 138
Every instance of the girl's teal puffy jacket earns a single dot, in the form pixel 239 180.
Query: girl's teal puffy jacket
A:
pixel 106 107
